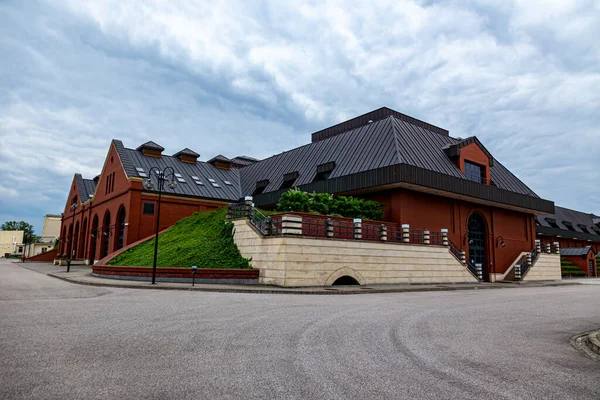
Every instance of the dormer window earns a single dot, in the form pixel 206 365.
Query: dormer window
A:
pixel 324 171
pixel 569 225
pixel 583 228
pixel 260 187
pixel 151 149
pixel 289 179
pixel 475 172
pixel 552 223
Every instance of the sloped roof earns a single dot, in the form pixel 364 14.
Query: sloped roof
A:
pixel 86 188
pixel 385 142
pixel 575 252
pixel 576 218
pixel 132 159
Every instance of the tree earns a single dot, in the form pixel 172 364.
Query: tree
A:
pixel 27 228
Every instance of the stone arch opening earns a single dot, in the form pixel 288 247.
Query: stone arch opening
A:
pixel 345 280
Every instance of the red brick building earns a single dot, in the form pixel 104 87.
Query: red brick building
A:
pixel 422 176
pixel 113 209
pixel 582 257
pixel 577 233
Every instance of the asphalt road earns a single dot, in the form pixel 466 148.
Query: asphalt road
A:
pixel 64 341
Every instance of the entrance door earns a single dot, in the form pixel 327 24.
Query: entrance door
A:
pixel 592 269
pixel 477 242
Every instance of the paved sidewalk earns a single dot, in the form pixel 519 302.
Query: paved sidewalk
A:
pixel 82 275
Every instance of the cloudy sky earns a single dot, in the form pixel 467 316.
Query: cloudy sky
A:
pixel 256 78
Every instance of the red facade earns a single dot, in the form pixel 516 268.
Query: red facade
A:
pixel 114 216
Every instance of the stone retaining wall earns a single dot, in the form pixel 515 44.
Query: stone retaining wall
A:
pixel 545 268
pixel 303 261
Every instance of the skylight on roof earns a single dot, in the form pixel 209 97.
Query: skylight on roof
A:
pixel 180 179
pixel 178 175
pixel 199 183
pixel 141 172
pixel 211 180
pixel 227 183
pixel 194 177
pixel 215 184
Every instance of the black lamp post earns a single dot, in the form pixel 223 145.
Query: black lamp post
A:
pixel 166 175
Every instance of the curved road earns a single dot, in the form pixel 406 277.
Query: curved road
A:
pixel 60 340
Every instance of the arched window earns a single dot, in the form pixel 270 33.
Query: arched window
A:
pixel 105 234
pixel 94 237
pixel 82 240
pixel 120 228
pixel 70 242
pixel 75 241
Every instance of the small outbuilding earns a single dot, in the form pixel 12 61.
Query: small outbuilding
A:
pixel 582 257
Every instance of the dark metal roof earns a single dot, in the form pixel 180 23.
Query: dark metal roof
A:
pixel 132 159
pixel 85 187
pixel 562 217
pixel 151 145
pixel 370 117
pixel 380 144
pixel 576 252
pixel 186 152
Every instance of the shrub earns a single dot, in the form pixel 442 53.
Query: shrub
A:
pixel 294 200
pixel 320 202
pixel 325 203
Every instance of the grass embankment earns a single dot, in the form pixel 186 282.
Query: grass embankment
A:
pixel 204 239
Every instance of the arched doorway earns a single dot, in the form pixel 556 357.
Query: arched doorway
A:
pixel 120 227
pixel 82 240
pixel 105 234
pixel 75 241
pixel 70 242
pixel 478 242
pixel 94 233
pixel 63 240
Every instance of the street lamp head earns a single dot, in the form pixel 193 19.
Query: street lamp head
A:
pixel 147 184
pixel 172 185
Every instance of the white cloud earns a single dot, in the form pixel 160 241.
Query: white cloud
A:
pixel 257 78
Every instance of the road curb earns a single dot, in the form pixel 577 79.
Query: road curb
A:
pixel 588 342
pixel 275 290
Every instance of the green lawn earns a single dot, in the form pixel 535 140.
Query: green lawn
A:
pixel 204 239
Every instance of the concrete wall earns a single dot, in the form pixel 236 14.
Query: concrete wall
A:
pixel 6 241
pixel 299 261
pixel 546 268
pixel 51 227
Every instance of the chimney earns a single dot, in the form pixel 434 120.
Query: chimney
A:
pixel 187 156
pixel 151 149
